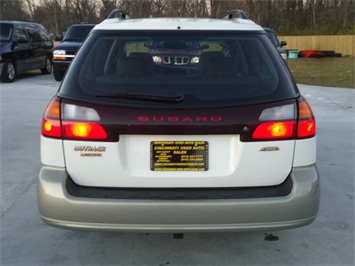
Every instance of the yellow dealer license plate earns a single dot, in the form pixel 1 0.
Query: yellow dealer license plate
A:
pixel 179 155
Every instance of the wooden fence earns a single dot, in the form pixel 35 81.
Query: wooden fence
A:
pixel 344 44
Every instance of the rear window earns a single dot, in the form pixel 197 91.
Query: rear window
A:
pixel 77 33
pixel 272 37
pixel 5 32
pixel 195 69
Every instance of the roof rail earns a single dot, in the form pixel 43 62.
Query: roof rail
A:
pixel 237 13
pixel 118 13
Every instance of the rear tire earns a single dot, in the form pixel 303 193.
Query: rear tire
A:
pixel 48 66
pixel 58 74
pixel 9 72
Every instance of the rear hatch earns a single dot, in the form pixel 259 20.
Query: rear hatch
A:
pixel 128 122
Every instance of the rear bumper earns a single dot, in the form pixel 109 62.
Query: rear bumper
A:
pixel 61 65
pixel 58 208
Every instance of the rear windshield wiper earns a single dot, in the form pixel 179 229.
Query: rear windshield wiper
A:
pixel 173 98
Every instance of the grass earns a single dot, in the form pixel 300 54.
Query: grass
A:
pixel 326 71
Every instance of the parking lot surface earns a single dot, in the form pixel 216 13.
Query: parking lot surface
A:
pixel 26 240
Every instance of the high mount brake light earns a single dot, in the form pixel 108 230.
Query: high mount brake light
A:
pixel 280 123
pixel 75 123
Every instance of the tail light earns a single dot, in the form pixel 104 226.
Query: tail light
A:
pixel 51 124
pixel 286 122
pixel 306 126
pixel 69 121
pixel 274 130
pixel 84 130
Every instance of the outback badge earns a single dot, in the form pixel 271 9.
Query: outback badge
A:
pixel 90 151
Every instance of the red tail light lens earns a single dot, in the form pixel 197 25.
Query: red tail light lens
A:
pixel 274 130
pixel 306 127
pixel 51 128
pixel 51 125
pixel 84 130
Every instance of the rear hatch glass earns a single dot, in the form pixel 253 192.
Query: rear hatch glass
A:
pixel 188 69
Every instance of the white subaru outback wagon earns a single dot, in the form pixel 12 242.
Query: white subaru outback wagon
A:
pixel 216 139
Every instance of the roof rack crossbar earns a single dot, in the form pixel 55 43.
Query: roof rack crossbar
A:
pixel 118 13
pixel 237 13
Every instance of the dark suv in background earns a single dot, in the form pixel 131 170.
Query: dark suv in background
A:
pixel 24 46
pixel 278 44
pixel 65 51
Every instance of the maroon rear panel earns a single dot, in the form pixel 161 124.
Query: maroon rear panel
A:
pixel 132 120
